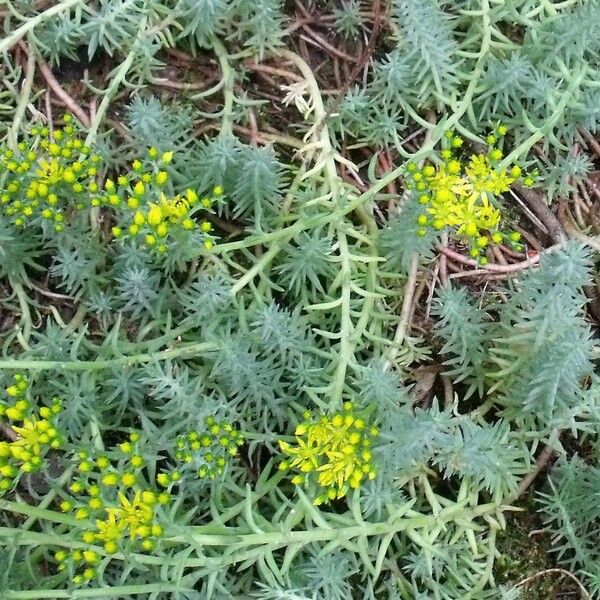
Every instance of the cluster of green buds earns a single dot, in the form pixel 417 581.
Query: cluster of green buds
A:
pixel 118 510
pixel 33 433
pixel 463 195
pixel 148 210
pixel 333 452
pixel 207 452
pixel 47 176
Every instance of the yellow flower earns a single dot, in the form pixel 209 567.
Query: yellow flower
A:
pixel 110 529
pixel 132 514
pixel 335 449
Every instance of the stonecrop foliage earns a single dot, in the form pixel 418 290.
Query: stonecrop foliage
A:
pixel 206 354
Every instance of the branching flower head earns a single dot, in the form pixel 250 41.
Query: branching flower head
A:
pixel 118 510
pixel 206 452
pixel 48 175
pixel 32 439
pixel 464 196
pixel 148 211
pixel 333 451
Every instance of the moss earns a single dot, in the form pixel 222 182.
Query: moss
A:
pixel 523 555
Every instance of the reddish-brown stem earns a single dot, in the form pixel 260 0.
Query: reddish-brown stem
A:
pixel 530 262
pixel 61 93
pixel 540 464
pixel 273 71
pixel 316 39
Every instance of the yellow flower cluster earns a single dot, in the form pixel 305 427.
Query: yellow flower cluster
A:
pixel 44 178
pixel 464 196
pixel 334 451
pixel 207 451
pixel 32 439
pixel 149 212
pixel 112 495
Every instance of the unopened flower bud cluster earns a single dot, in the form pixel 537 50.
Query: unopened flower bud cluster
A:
pixel 208 451
pixel 48 176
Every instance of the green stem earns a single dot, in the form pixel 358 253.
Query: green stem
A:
pixel 30 24
pixel 109 93
pixel 228 80
pixel 24 305
pixel 189 351
pixel 104 592
pixel 346 350
pixel 241 545
pixel 77 319
pixel 526 145
pixel 256 268
pixel 24 97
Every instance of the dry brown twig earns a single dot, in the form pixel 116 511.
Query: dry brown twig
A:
pixel 70 103
pixel 545 572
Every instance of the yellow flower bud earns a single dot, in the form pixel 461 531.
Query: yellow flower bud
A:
pixel 88 537
pixel 13 391
pixel 90 556
pixel 471 229
pixel 139 189
pixel 167 157
pixel 126 447
pixel 14 414
pixel 444 195
pixel 129 479
pixel 95 503
pixel 137 461
pixel 61 555
pixel 69 176
pixel 111 547
pixel 454 167
pixel 149 497
pixel 162 177
pixel 103 462
pixel 110 479
pixel 155 215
